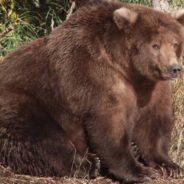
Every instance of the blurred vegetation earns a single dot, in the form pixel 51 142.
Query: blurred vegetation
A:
pixel 26 20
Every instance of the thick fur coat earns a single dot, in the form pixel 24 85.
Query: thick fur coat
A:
pixel 95 84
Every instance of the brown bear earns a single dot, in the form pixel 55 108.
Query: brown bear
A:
pixel 90 88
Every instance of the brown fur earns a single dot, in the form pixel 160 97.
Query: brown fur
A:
pixel 95 83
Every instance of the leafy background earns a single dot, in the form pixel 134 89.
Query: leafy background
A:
pixel 25 20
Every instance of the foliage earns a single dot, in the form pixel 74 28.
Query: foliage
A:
pixel 26 20
pixel 178 3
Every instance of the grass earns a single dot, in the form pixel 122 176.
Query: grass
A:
pixel 7 177
pixel 22 21
pixel 177 144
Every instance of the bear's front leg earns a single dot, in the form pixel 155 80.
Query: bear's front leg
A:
pixel 161 159
pixel 108 131
pixel 158 160
pixel 161 156
pixel 154 142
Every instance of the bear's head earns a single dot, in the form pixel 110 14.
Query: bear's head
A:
pixel 155 40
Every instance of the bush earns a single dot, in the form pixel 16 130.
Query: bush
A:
pixel 26 20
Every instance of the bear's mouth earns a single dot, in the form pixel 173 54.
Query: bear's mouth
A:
pixel 175 76
pixel 167 74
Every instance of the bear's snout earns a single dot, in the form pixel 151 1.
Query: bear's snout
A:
pixel 174 70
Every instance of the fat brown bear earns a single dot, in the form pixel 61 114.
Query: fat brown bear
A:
pixel 90 88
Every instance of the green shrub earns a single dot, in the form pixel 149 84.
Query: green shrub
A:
pixel 25 20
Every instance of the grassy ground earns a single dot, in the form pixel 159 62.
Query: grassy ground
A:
pixel 7 177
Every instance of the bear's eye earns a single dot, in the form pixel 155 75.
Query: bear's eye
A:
pixel 156 46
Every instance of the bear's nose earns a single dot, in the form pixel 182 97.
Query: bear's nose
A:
pixel 174 70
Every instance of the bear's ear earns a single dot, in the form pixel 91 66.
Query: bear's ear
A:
pixel 123 15
pixel 179 16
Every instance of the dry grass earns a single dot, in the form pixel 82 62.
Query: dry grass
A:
pixel 177 144
pixel 7 177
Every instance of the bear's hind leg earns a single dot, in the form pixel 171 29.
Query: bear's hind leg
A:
pixel 32 143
